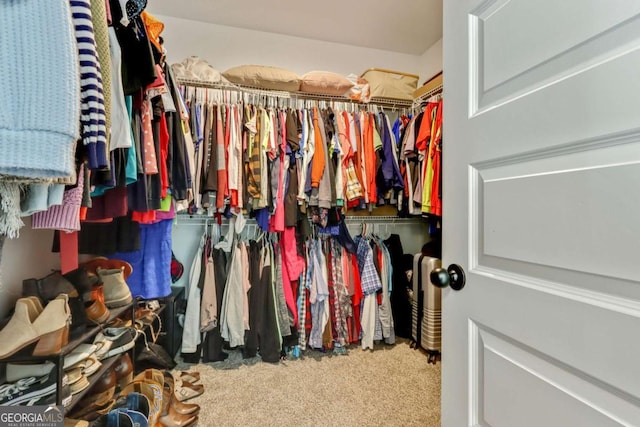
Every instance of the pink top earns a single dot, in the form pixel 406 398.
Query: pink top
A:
pixel 65 217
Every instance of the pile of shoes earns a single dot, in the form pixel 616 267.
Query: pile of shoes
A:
pixel 152 398
pixel 101 398
pixel 59 307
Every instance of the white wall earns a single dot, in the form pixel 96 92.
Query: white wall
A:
pixel 28 256
pixel 225 47
pixel 430 62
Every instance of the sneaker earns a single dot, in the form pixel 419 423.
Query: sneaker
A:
pixel 16 371
pixel 50 399
pixel 121 340
pixel 26 389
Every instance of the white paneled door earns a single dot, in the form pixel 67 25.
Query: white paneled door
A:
pixel 541 201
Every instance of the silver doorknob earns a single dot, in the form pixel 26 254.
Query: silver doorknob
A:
pixel 453 276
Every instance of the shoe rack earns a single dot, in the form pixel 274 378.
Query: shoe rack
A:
pixel 58 358
pixel 109 362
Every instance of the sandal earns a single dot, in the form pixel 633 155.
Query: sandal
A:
pixel 190 377
pixel 188 391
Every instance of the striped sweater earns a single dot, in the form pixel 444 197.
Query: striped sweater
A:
pixel 92 110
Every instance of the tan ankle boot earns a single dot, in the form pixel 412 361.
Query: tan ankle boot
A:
pixel 34 305
pixel 52 326
pixel 19 332
pixel 116 291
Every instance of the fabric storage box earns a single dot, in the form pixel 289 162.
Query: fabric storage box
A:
pixel 432 84
pixel 325 83
pixel 264 77
pixel 391 84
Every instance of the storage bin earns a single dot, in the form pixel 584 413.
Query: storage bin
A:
pixel 391 84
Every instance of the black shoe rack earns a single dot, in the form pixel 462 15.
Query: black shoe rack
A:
pixel 58 358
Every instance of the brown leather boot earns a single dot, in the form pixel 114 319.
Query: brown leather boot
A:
pixel 171 418
pixel 96 311
pixel 124 370
pixel 153 392
pixel 180 407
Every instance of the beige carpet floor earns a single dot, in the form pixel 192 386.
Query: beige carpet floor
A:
pixel 390 386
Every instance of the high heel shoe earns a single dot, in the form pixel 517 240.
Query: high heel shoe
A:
pixel 49 329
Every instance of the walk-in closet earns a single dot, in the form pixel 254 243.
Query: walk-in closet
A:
pixel 415 213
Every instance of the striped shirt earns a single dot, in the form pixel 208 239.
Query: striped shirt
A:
pixel 93 117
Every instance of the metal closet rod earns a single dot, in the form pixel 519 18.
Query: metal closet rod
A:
pixel 398 103
pixel 187 219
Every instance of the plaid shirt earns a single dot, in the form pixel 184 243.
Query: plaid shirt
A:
pixel 342 300
pixel 353 189
pixel 303 315
pixel 368 275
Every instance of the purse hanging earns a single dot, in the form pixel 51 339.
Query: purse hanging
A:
pixel 154 354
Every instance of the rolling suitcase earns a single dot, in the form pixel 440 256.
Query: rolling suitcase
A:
pixel 426 313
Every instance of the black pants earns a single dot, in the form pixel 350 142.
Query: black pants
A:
pixel 262 336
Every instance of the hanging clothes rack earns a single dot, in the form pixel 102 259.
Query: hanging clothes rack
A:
pixel 194 219
pixel 419 101
pixel 294 96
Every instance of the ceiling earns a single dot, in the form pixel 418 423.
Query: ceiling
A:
pixel 407 26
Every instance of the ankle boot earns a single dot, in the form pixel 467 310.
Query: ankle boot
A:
pixel 50 287
pixel 49 330
pixel 34 305
pixel 53 326
pixel 96 311
pixel 124 371
pixel 19 332
pixel 116 291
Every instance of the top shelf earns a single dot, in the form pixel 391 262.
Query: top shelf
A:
pixel 397 103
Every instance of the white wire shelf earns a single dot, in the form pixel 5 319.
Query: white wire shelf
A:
pixel 255 91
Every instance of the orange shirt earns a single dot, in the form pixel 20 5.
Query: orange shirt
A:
pixel 318 161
